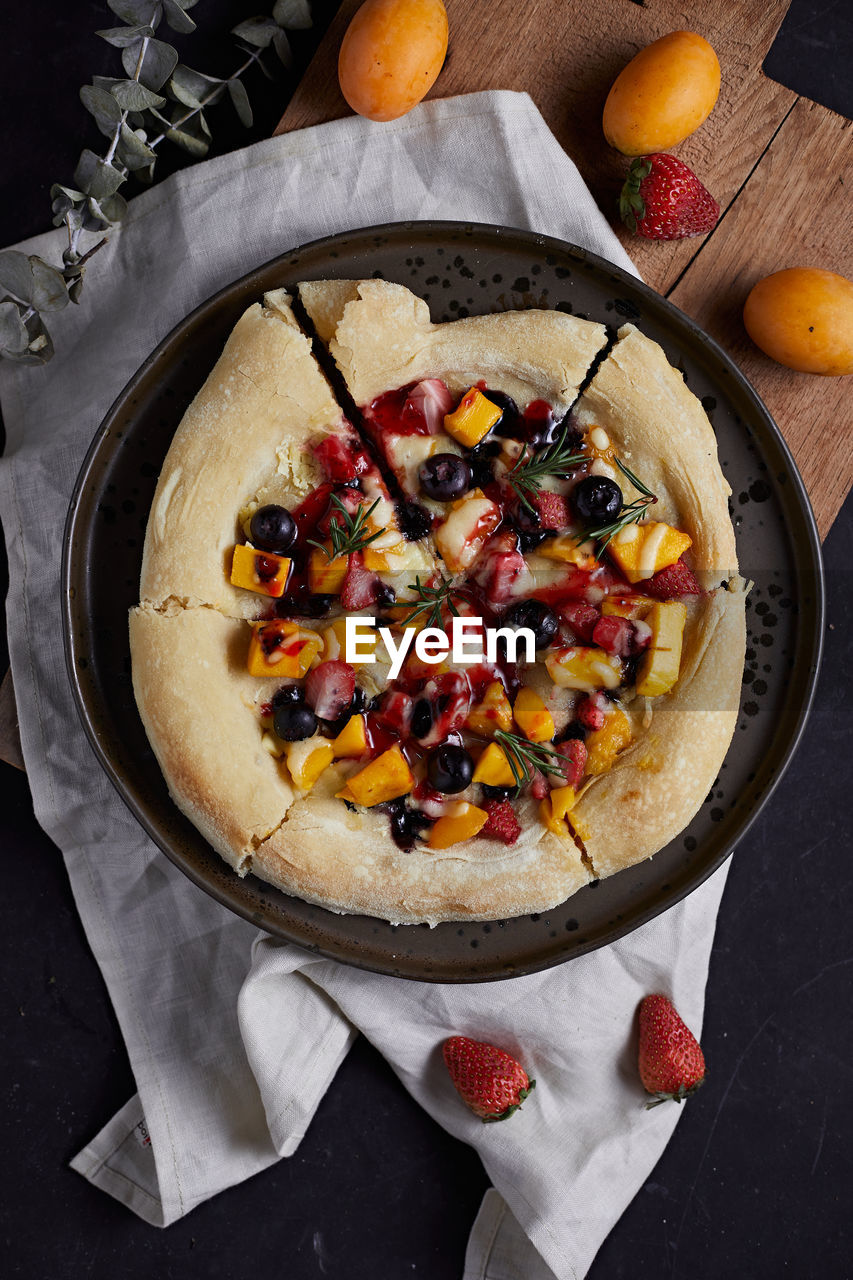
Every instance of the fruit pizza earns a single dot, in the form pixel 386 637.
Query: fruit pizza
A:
pixel 450 642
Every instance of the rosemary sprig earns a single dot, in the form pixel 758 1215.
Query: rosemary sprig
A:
pixel 526 476
pixel 631 513
pixel 350 535
pixel 431 601
pixel 525 757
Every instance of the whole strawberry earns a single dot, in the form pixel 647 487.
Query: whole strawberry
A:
pixel 664 200
pixel 491 1082
pixel 672 1065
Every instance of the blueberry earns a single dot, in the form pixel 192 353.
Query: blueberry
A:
pixel 294 721
pixel 450 768
pixel 597 498
pixel 287 693
pixel 313 606
pixel 406 824
pixel 421 718
pixel 541 620
pixel 415 522
pixel 445 476
pixel 385 595
pixel 499 793
pixel 272 529
pixel 359 701
pixel 508 423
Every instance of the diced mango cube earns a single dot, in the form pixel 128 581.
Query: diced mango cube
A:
pixel 282 648
pixel 604 744
pixel 472 419
pixel 465 821
pixel 307 759
pixel 581 667
pixel 384 778
pixel 662 660
pixel 565 547
pixel 352 739
pixel 532 716
pixel 493 768
pixel 625 606
pixel 377 560
pixel 641 550
pixel 493 712
pixel 325 576
pixel 555 808
pixel 260 571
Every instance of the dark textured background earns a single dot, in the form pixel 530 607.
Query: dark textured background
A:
pixel 757 1180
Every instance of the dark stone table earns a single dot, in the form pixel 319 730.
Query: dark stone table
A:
pixel 757 1180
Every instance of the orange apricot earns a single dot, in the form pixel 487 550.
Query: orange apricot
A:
pixel 663 95
pixel 391 54
pixel 802 317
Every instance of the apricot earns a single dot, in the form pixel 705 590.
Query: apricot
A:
pixel 802 317
pixel 391 54
pixel 663 95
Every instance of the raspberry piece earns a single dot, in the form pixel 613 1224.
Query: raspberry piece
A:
pixel 539 788
pixel 591 711
pixel 360 585
pixel 342 460
pixel 502 824
pixel 581 618
pixel 614 635
pixel 675 580
pixel 574 752
pixel 553 510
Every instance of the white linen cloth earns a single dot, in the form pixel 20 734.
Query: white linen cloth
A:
pixel 234 1037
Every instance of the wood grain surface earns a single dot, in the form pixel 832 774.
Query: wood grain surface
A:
pixel 780 166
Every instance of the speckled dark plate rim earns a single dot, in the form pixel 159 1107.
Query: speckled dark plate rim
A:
pixel 73 565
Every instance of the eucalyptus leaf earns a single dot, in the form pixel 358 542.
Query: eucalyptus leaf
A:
pixel 158 63
pixel 105 82
pixel 122 37
pixel 283 49
pixel 176 18
pixel 133 96
pixel 240 98
pixel 16 274
pixel 132 151
pixel 39 348
pixel 114 207
pixel 94 218
pixel 192 87
pixel 13 334
pixel 49 291
pixel 142 12
pixel 294 14
pixel 256 31
pixel 103 107
pixel 95 177
pixel 75 289
pixel 196 146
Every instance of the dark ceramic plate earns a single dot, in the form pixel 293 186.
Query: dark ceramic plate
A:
pixel 460 270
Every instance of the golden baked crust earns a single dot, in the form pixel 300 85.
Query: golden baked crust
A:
pixel 381 337
pixel 245 439
pixel 245 436
pixel 199 707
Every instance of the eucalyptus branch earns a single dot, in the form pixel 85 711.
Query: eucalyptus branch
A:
pixel 127 110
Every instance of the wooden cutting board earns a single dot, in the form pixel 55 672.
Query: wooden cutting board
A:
pixel 780 166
